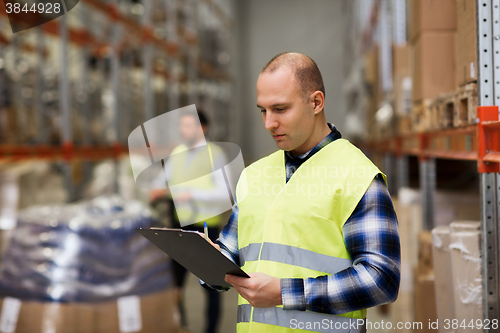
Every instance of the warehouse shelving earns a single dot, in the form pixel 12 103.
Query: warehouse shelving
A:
pixel 479 142
pixel 117 42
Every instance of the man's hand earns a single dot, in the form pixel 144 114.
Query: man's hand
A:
pixel 217 246
pixel 260 290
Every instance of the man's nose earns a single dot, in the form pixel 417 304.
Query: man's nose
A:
pixel 270 121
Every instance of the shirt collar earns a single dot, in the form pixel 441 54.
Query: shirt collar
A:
pixel 332 136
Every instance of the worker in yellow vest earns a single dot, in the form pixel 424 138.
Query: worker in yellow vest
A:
pixel 195 197
pixel 313 224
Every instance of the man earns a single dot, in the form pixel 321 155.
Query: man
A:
pixel 194 201
pixel 313 226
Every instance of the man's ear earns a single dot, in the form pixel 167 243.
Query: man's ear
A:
pixel 318 100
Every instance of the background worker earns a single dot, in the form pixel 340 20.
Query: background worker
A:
pixel 193 202
pixel 335 253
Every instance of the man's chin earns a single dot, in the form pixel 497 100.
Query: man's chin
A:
pixel 282 145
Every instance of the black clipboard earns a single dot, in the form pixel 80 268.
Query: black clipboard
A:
pixel 193 252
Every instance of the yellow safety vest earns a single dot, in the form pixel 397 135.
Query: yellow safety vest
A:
pixel 197 175
pixel 294 229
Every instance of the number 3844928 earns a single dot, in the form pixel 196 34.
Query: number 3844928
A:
pixel 41 8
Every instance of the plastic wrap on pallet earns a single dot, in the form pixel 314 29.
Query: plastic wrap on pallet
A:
pixel 84 252
pixel 466 272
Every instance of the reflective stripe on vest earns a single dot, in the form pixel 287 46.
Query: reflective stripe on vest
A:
pixel 299 319
pixel 291 255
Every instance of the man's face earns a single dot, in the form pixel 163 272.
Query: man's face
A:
pixel 286 115
pixel 190 129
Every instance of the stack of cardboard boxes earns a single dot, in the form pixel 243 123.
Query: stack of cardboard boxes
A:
pixel 402 86
pixel 153 313
pixel 432 38
pixel 425 305
pixel 443 63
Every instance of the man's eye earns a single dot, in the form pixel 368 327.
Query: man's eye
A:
pixel 280 109
pixel 262 110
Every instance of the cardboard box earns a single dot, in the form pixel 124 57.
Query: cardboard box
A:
pixel 441 258
pixel 467 281
pixel 402 80
pixel 425 302
pixel 431 15
pixel 425 266
pixel 403 309
pixel 158 314
pixel 458 226
pixel 432 59
pixel 466 42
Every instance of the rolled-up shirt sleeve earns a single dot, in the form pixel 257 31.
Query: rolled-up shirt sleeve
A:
pixel 228 242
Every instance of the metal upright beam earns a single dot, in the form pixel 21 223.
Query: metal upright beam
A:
pixel 147 58
pixel 65 105
pixel 173 84
pixel 192 51
pixel 402 176
pixel 488 37
pixel 40 88
pixel 428 188
pixel 115 83
pixel 489 245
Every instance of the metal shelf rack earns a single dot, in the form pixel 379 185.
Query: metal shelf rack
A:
pixel 171 57
pixel 478 142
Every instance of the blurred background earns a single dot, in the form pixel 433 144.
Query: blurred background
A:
pixel 401 78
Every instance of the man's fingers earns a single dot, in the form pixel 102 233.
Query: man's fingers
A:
pixel 217 246
pixel 235 280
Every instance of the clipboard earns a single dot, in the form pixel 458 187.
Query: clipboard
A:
pixel 193 252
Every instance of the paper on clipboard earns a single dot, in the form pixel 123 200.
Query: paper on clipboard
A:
pixel 193 252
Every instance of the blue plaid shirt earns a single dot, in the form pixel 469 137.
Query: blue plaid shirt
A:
pixel 371 238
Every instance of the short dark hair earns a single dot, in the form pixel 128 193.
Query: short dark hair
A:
pixel 201 116
pixel 306 71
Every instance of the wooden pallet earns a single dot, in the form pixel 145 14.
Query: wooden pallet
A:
pixel 435 107
pixel 466 104
pixel 403 124
pixel 446 109
pixel 421 116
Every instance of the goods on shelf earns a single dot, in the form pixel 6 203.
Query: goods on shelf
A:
pixel 421 116
pixel 425 289
pixel 466 42
pixel 445 109
pixel 431 15
pixel 152 313
pixel 425 304
pixel 441 257
pixel 82 252
pixel 466 270
pixel 402 80
pixel 465 105
pixel 432 64
pixel 424 266
pixel 458 273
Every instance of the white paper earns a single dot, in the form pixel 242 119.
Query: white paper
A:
pixel 10 313
pixel 472 70
pixel 129 314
